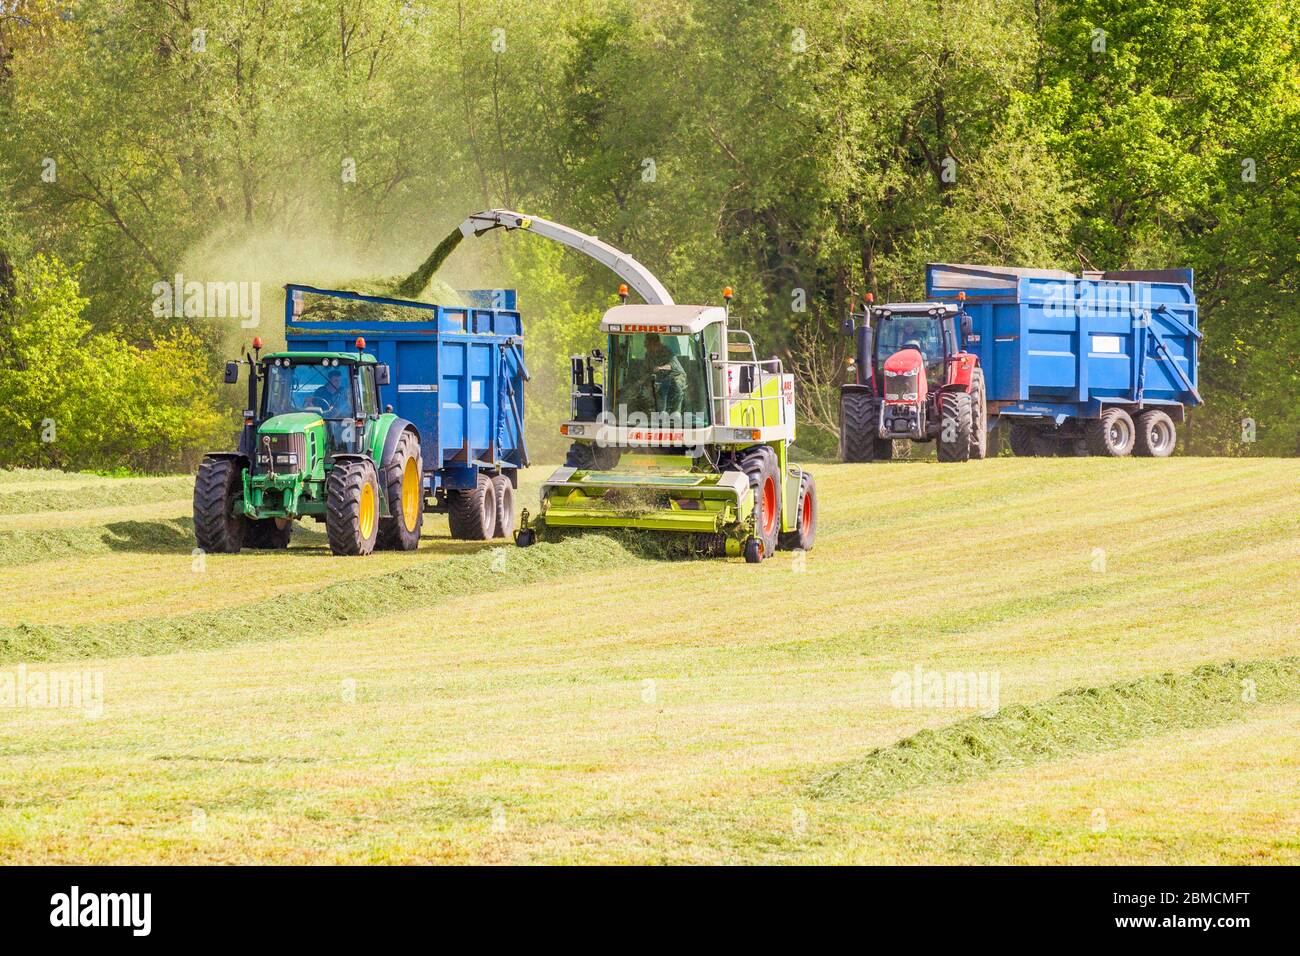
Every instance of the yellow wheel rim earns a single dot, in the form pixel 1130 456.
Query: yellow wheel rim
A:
pixel 411 494
pixel 366 513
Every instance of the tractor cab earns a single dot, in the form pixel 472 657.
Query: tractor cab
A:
pixel 339 389
pixel 912 380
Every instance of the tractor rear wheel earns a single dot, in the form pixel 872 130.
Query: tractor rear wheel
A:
pixel 954 426
pixel 472 513
pixel 219 483
pixel 979 427
pixel 858 438
pixel 1112 434
pixel 1156 434
pixel 352 507
pixel 805 531
pixel 764 481
pixel 1021 440
pixel 505 502
pixel 268 534
pixel 404 487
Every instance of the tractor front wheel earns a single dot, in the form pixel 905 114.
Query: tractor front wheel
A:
pixel 858 438
pixel 954 426
pixel 404 484
pixel 979 417
pixel 805 532
pixel 219 483
pixel 352 507
pixel 472 513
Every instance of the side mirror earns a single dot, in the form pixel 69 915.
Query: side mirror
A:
pixel 232 373
pixel 577 370
pixel 382 375
pixel 745 384
pixel 597 355
pixel 848 325
pixel 965 326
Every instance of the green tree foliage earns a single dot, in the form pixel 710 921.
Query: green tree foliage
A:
pixel 802 151
pixel 73 398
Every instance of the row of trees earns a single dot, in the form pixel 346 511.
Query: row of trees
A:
pixel 803 151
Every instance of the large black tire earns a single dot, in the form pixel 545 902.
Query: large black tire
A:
pixel 1046 442
pixel 1021 440
pixel 979 417
pixel 805 532
pixel 352 507
pixel 858 438
pixel 219 483
pixel 268 534
pixel 759 465
pixel 505 502
pixel 403 476
pixel 1156 434
pixel 954 426
pixel 472 514
pixel 1113 434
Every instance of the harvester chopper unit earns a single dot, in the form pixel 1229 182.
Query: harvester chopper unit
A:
pixel 686 431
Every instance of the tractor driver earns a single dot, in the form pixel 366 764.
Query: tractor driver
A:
pixel 332 398
pixel 667 377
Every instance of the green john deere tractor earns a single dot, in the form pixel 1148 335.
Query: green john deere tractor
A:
pixel 316 443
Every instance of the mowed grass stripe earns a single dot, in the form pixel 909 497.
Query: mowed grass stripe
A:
pixel 120 491
pixel 343 603
pixel 1081 721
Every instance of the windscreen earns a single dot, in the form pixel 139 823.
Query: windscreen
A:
pixel 302 387
pixel 660 379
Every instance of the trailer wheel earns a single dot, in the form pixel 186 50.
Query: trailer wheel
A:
pixel 979 430
pixel 352 507
pixel 759 465
pixel 858 438
pixel 1046 443
pixel 217 529
pixel 1112 434
pixel 472 514
pixel 1156 434
pixel 404 485
pixel 1021 440
pixel 805 532
pixel 505 503
pixel 268 534
pixel 954 426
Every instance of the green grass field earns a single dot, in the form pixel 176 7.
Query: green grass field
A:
pixel 1137 624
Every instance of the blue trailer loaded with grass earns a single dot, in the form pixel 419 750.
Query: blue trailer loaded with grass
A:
pixel 455 373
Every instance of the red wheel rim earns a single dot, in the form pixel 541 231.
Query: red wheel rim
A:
pixel 769 505
pixel 807 511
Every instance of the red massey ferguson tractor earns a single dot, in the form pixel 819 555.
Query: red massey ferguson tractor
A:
pixel 911 379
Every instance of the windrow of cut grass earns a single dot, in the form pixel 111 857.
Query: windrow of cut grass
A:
pixel 1080 721
pixel 100 494
pixel 418 586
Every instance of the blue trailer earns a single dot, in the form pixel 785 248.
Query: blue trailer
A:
pixel 455 373
pixel 1103 363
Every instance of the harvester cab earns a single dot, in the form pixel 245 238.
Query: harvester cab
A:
pixel 911 379
pixel 314 443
